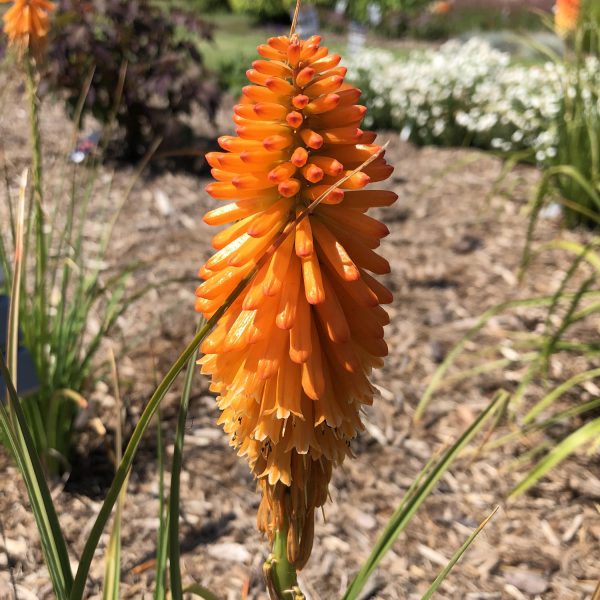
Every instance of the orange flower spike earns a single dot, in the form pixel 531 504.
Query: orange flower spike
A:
pixel 566 15
pixel 289 357
pixel 27 23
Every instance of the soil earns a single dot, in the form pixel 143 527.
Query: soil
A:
pixel 455 246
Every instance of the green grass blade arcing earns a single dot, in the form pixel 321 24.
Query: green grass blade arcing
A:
pixel 162 544
pixel 173 509
pixel 402 516
pixel 30 467
pixel 456 557
pixel 438 375
pixel 578 438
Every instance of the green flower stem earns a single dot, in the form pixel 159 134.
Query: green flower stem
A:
pixel 283 574
pixel 37 206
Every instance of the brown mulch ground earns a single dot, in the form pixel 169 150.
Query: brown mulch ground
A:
pixel 455 245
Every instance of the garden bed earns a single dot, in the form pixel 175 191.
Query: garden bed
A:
pixel 454 247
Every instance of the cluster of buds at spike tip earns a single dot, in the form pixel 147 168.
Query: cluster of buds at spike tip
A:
pixel 27 23
pixel 566 16
pixel 290 359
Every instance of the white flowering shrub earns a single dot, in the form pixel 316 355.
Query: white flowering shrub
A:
pixel 467 94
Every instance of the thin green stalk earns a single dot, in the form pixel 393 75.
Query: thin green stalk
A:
pixel 162 545
pixel 12 341
pixel 456 557
pixel 174 549
pixel 283 573
pixel 112 569
pixel 36 176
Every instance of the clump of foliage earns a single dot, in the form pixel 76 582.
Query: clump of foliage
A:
pixel 270 8
pixel 575 170
pixel 164 72
pixel 232 74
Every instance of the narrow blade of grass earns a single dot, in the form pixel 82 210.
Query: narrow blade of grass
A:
pixel 162 545
pixel 456 556
pixel 30 467
pixel 596 595
pixel 133 445
pixel 174 548
pixel 583 435
pixel 112 570
pixel 402 516
pixel 437 377
pixel 201 592
pixel 558 391
pixel 12 341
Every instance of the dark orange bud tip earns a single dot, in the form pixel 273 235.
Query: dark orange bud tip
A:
pixel 312 173
pixel 334 197
pixel 280 43
pixel 293 53
pixel 311 138
pixel 300 101
pixel 294 119
pixel 281 172
pixel 289 188
pixel 212 158
pixel 305 77
pixel 299 157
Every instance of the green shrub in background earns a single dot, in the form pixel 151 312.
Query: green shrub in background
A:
pixel 231 71
pixel 575 170
pixel 164 75
pixel 68 301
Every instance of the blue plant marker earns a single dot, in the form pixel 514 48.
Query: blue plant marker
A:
pixel 27 381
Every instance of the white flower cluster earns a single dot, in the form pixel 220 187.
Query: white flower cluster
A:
pixel 466 94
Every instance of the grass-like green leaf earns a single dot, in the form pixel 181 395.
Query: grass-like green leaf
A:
pixel 438 376
pixel 112 570
pixel 456 556
pixel 23 449
pixel 558 391
pixel 136 437
pixel 201 592
pixel 410 503
pixel 162 547
pixel 581 436
pixel 174 548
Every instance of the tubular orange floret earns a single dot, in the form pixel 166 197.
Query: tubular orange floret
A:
pixel 300 101
pixel 290 358
pixel 566 15
pixel 294 119
pixel 27 23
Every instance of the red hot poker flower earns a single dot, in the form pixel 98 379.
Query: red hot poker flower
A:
pixel 27 23
pixel 291 358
